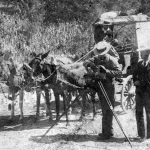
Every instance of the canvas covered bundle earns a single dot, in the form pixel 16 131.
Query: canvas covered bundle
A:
pixel 76 74
pixel 73 73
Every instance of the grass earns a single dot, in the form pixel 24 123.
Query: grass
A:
pixel 20 37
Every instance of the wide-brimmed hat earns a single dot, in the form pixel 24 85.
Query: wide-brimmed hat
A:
pixel 102 48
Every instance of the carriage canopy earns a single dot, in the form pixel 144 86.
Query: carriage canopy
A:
pixel 143 34
pixel 119 20
pixel 128 30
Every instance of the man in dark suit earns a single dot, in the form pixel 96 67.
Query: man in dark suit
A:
pixel 106 67
pixel 141 78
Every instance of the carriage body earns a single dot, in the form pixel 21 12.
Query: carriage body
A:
pixel 129 33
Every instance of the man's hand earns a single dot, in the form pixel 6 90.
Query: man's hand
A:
pixel 90 64
pixel 90 71
pixel 101 69
pixel 85 64
pixel 101 76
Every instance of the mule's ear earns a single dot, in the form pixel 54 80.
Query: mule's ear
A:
pixel 45 55
pixel 27 67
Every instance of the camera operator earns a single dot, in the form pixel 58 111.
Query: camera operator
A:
pixel 106 67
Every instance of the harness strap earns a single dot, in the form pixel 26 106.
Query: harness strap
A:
pixel 66 82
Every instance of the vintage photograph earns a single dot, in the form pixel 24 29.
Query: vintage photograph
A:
pixel 74 75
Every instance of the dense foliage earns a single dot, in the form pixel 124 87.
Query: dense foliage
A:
pixel 63 26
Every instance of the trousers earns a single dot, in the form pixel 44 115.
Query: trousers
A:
pixel 142 99
pixel 107 115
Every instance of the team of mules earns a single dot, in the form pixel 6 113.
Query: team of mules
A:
pixel 27 77
pixel 64 79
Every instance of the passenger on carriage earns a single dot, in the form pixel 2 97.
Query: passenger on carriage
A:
pixel 108 41
pixel 108 32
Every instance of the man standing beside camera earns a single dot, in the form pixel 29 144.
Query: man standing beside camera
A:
pixel 106 68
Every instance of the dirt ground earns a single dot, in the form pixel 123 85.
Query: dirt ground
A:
pixel 78 135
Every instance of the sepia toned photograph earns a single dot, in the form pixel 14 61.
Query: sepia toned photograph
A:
pixel 74 75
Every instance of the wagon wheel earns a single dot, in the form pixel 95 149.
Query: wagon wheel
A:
pixel 128 94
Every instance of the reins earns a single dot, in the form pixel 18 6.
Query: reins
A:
pixel 84 56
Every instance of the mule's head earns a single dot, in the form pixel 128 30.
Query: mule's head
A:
pixel 36 66
pixel 7 65
pixel 37 63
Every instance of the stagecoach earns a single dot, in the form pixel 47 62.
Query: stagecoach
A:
pixel 131 32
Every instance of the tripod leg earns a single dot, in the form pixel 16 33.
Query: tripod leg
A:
pixel 111 107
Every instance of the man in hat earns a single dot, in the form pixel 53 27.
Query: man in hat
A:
pixel 109 37
pixel 141 79
pixel 106 67
pixel 107 47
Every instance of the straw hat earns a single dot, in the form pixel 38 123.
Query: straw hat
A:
pixel 102 48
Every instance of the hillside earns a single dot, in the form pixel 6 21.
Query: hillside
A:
pixel 63 26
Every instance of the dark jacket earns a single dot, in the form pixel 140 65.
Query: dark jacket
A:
pixel 111 64
pixel 141 74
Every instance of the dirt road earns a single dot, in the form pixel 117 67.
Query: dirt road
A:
pixel 78 135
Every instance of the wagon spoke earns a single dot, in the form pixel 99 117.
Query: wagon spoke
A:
pixel 132 100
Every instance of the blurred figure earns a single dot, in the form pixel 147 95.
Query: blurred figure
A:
pixel 141 79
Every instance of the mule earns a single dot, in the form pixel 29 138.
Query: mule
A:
pixel 17 79
pixel 49 82
pixel 14 81
pixel 52 81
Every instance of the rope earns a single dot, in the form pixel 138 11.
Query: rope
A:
pixel 48 76
pixel 85 55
